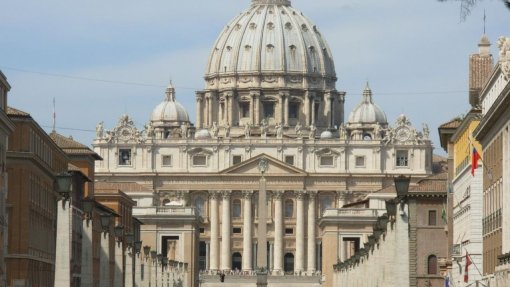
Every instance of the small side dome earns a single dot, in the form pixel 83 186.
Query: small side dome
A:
pixel 169 112
pixel 367 112
pixel 202 134
pixel 326 135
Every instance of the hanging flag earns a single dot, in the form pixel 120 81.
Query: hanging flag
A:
pixel 474 161
pixel 468 262
pixel 446 282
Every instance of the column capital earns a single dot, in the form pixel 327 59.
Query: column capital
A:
pixel 214 194
pixel 278 194
pixel 225 194
pixel 300 194
pixel 247 194
pixel 312 194
pixel 343 193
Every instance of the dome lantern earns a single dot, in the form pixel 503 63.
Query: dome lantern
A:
pixel 367 112
pixel 169 113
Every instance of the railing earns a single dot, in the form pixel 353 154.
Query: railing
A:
pixel 160 210
pixel 353 212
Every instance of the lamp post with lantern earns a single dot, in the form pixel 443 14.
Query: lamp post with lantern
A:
pixel 154 267
pixel 118 231
pixel 86 241
pixel 130 257
pixel 63 186
pixel 104 257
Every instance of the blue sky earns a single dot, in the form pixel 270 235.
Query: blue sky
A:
pixel 414 53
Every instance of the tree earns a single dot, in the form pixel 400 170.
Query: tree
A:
pixel 467 5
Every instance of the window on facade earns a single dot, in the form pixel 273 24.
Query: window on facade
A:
pixel 325 203
pixel 432 217
pixel 202 230
pixel 294 110
pixel 316 109
pixel 244 108
pixel 432 265
pixel 167 134
pixel 124 157
pixel 289 231
pixel 326 160
pixel 236 159
pixel 236 230
pixel 289 208
pixel 199 205
pixel 289 159
pixel 199 160
pixel 236 208
pixel 268 109
pixel 402 158
pixel 360 161
pixel 167 160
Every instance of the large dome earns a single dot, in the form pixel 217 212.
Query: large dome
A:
pixel 271 39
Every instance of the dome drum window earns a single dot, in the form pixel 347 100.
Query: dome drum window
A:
pixel 269 109
pixel 244 109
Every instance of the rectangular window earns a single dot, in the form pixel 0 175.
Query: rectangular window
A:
pixel 316 110
pixel 167 160
pixel 199 160
pixel 326 160
pixel 294 110
pixel 289 159
pixel 236 230
pixel 360 161
pixel 124 157
pixel 236 159
pixel 289 231
pixel 244 108
pixel 202 230
pixel 402 158
pixel 268 109
pixel 432 217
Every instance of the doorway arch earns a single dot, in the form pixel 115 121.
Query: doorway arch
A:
pixel 288 263
pixel 237 261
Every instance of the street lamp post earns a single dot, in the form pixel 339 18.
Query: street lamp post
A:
pixel 104 257
pixel 130 256
pixel 402 187
pixel 154 267
pixel 119 256
pixel 86 243
pixel 138 263
pixel 64 216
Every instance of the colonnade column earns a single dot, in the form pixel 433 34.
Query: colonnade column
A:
pixel 225 231
pixel 300 231
pixel 215 232
pixel 278 230
pixel 247 231
pixel 199 110
pixel 286 111
pixel 310 267
pixel 257 109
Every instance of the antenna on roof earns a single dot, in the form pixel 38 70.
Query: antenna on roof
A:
pixel 484 21
pixel 54 115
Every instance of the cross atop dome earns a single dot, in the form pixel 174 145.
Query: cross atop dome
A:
pixel 273 2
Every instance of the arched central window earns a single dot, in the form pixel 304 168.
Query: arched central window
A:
pixel 289 208
pixel 199 205
pixel 236 208
pixel 432 265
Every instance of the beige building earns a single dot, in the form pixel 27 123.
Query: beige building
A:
pixel 492 133
pixel 269 119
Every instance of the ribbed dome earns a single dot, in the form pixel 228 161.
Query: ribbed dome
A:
pixel 169 112
pixel 367 112
pixel 269 39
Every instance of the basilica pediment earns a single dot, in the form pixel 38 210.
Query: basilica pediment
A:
pixel 271 165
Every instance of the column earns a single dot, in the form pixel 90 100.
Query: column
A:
pixel 215 232
pixel 247 231
pixel 130 256
pixel 63 249
pixel 199 110
pixel 231 109
pixel 311 264
pixel 312 106
pixel 271 256
pixel 139 261
pixel 278 231
pixel 300 231
pixel 207 256
pixel 252 110
pixel 225 231
pixel 307 109
pixel 281 107
pixel 286 111
pixel 86 253
pixel 118 272
pixel 257 109
pixel 104 260
pixel 210 110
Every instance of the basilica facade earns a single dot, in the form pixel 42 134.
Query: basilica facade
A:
pixel 270 97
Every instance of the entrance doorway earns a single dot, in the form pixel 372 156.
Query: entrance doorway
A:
pixel 237 261
pixel 288 265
